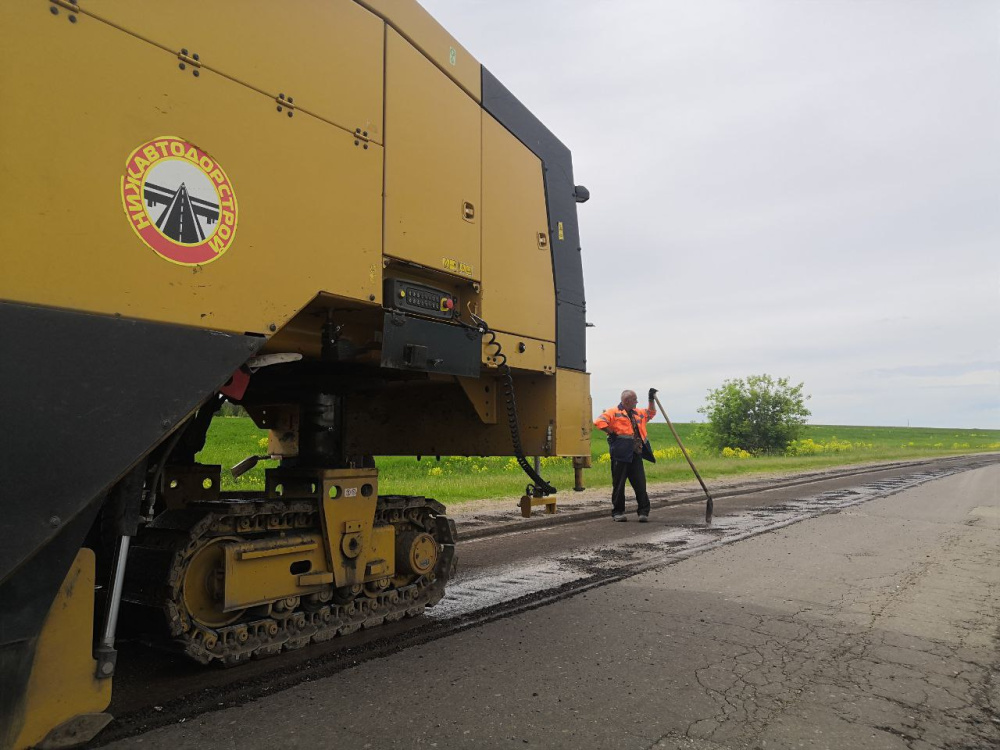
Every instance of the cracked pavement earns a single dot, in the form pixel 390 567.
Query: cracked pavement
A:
pixel 872 627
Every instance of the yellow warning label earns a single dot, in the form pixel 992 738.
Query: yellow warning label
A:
pixel 464 269
pixel 561 235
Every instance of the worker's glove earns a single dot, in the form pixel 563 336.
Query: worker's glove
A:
pixel 652 393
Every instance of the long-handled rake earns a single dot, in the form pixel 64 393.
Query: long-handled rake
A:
pixel 710 505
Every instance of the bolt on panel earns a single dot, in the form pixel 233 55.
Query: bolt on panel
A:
pixel 327 56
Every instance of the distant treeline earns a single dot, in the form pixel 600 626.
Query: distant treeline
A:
pixel 229 409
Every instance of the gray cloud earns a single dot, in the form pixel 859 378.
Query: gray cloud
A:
pixel 806 189
pixel 946 369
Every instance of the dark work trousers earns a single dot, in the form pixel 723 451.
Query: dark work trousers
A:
pixel 636 474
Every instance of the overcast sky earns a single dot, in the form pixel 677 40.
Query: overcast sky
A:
pixel 809 189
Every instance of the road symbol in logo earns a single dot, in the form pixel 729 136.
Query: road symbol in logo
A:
pixel 179 201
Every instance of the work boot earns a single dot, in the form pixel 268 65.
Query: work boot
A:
pixel 643 519
pixel 619 518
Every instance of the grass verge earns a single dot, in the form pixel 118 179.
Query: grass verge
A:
pixel 455 479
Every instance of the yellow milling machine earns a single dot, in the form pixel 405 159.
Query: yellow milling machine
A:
pixel 327 212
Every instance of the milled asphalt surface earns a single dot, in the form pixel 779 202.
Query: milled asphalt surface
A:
pixel 872 627
pixel 488 517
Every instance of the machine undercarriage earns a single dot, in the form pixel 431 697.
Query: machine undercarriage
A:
pixel 249 576
pixel 317 553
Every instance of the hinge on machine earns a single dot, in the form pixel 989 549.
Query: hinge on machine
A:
pixel 67 4
pixel 285 103
pixel 194 60
pixel 361 137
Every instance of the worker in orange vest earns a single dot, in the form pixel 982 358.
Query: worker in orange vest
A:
pixel 628 444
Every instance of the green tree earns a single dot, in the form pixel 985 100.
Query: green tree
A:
pixel 758 414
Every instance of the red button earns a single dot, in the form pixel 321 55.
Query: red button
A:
pixel 448 303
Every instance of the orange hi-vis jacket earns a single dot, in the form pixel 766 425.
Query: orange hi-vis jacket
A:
pixel 619 422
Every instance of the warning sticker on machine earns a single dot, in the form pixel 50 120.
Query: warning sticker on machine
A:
pixel 454 266
pixel 179 201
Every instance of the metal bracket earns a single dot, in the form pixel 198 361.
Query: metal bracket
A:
pixel 529 501
pixel 361 137
pixel 266 360
pixel 482 393
pixel 107 660
pixel 184 484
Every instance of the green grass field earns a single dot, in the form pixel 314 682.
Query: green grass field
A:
pixel 456 479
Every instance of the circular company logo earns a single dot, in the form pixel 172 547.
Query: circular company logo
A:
pixel 179 201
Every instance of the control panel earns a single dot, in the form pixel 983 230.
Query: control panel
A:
pixel 409 296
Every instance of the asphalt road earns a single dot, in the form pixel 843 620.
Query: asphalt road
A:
pixel 861 612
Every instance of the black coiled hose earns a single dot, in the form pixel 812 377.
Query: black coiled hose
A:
pixel 540 487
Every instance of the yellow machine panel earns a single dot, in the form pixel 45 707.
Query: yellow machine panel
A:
pixel 260 572
pixel 68 139
pixel 63 687
pixel 432 141
pixel 427 35
pixel 517 256
pixel 522 353
pixel 335 71
pixel 324 212
pixel 573 413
